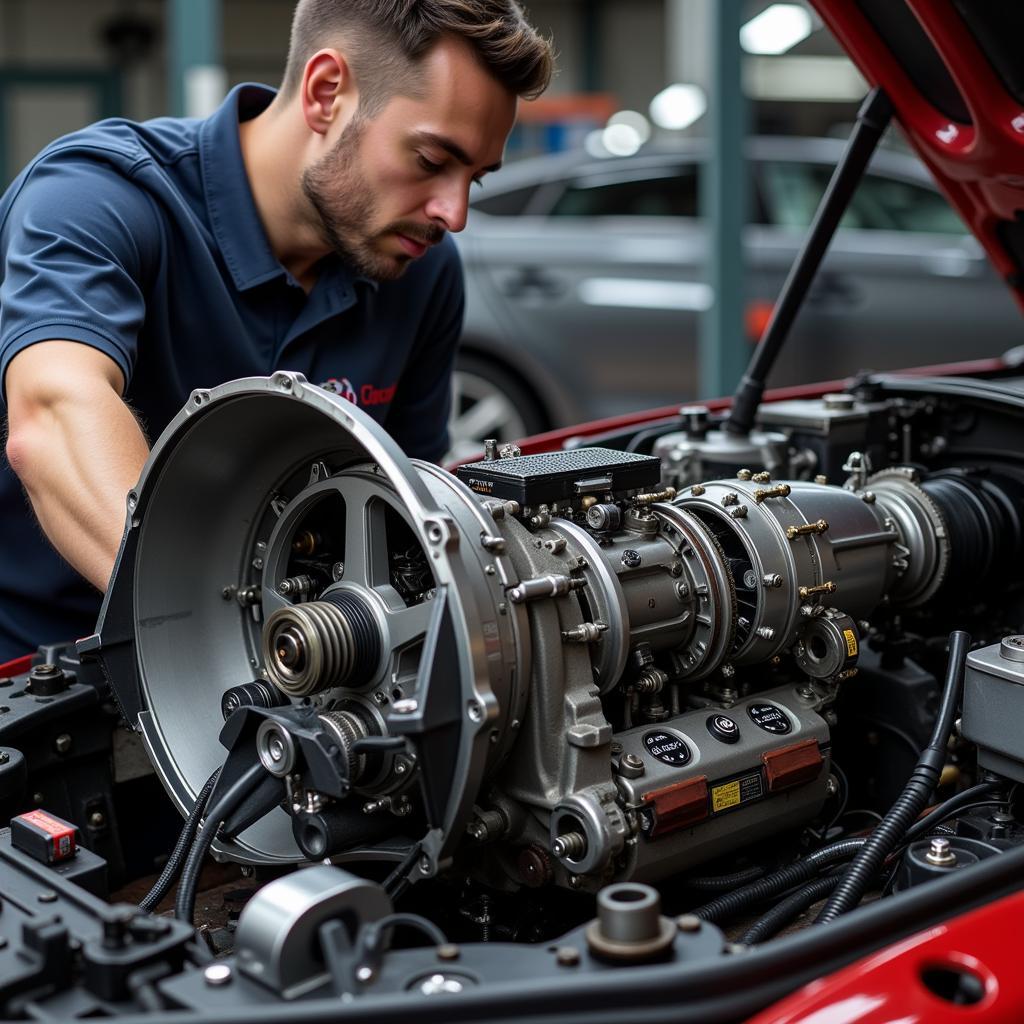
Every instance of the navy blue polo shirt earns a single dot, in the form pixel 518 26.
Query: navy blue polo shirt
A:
pixel 143 240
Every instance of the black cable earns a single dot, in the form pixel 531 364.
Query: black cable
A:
pixel 372 935
pixel 958 802
pixel 778 881
pixel 789 909
pixel 397 882
pixel 172 868
pixel 185 899
pixel 908 806
pixel 716 883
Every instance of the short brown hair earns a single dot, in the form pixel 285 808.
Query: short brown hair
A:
pixel 388 38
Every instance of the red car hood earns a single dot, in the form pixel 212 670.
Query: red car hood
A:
pixel 953 72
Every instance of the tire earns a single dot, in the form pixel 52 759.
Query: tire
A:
pixel 488 401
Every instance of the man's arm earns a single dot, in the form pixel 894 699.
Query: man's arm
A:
pixel 76 447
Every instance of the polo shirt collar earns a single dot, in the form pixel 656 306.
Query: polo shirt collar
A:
pixel 234 218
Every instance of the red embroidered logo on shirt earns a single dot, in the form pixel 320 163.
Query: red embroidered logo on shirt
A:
pixel 367 395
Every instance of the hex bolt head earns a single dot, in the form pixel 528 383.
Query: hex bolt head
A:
pixel 62 744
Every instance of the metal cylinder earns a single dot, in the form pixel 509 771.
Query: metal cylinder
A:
pixel 629 912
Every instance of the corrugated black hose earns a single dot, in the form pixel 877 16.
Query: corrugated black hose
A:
pixel 912 801
pixel 172 868
pixel 718 883
pixel 185 899
pixel 789 909
pixel 733 903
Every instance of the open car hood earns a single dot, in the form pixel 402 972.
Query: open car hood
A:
pixel 952 70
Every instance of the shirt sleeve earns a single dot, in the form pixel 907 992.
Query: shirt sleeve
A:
pixel 73 249
pixel 418 420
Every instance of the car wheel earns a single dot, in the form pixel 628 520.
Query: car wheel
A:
pixel 488 401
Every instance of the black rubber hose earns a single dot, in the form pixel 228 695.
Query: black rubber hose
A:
pixel 185 899
pixel 172 868
pixel 779 881
pixel 718 883
pixel 889 832
pixel 789 909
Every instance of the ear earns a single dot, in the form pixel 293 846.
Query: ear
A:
pixel 328 91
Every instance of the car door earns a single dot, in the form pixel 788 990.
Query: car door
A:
pixel 605 284
pixel 902 284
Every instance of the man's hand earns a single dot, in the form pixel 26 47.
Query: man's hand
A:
pixel 76 447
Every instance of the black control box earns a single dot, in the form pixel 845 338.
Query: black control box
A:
pixel 556 477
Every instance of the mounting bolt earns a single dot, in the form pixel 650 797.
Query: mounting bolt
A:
pixel 567 956
pixel 688 923
pixel 97 819
pixel 62 744
pixel 940 854
pixel 448 951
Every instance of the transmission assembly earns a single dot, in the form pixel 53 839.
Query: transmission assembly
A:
pixel 547 669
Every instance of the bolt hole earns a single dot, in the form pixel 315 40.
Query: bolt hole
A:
pixel 954 985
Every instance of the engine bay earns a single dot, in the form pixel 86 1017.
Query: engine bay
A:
pixel 646 701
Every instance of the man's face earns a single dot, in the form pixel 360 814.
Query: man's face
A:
pixel 393 184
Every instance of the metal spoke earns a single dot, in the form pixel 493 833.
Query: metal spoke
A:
pixel 366 544
pixel 409 624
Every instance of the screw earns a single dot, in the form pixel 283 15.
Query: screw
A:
pixel 632 761
pixel 47 896
pixel 97 819
pixel 567 956
pixel 4 757
pixel 62 744
pixel 364 974
pixel 688 923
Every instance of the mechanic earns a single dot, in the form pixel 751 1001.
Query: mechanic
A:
pixel 301 230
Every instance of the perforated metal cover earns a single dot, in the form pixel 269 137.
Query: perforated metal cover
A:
pixel 560 476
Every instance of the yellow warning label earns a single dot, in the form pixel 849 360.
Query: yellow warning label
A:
pixel 725 796
pixel 851 643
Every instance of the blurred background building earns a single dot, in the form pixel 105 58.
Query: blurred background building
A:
pixel 65 63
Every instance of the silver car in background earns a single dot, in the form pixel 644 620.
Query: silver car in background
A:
pixel 575 266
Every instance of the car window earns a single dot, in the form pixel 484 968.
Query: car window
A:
pixel 793 191
pixel 506 204
pixel 667 195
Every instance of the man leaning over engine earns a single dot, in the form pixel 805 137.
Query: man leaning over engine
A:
pixel 302 230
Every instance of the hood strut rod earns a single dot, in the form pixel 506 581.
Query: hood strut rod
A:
pixel 872 119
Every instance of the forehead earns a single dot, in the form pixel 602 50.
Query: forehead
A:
pixel 459 99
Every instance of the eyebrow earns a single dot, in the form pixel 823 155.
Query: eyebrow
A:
pixel 454 149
